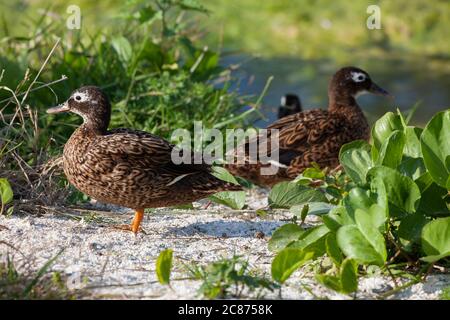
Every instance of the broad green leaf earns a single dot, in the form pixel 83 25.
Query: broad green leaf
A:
pixel 123 49
pixel 6 193
pixel 312 240
pixel 333 250
pixel 435 143
pixel 412 167
pixel 357 198
pixel 412 145
pixel 164 266
pixel 287 194
pixel 402 192
pixel 366 223
pixel 391 151
pixel 287 261
pixel 354 245
pixel 433 203
pixel 284 235
pixel 337 218
pixel 384 127
pixel 346 282
pixel 331 282
pixel 223 174
pixel 410 228
pixel 349 276
pixel 315 208
pixel 436 239
pixel 424 181
pixel 313 173
pixel 356 160
pixel 232 199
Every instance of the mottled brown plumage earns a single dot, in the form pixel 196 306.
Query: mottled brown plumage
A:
pixel 127 167
pixel 316 135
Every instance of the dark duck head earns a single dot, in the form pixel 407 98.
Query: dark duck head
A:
pixel 290 104
pixel 349 83
pixel 91 104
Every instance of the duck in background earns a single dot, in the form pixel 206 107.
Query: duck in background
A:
pixel 290 104
pixel 126 167
pixel 314 135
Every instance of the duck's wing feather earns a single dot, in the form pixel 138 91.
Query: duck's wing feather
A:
pixel 301 132
pixel 140 149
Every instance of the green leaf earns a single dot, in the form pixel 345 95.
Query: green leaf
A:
pixel 312 240
pixel 367 224
pixel 432 202
pixel 357 198
pixel 232 199
pixel 287 261
pixel 436 239
pixel 391 152
pixel 147 15
pixel 332 249
pixel 410 228
pixel 314 208
pixel 287 194
pixel 436 148
pixel 356 160
pixel 412 146
pixel 412 167
pixel 384 127
pixel 349 276
pixel 6 193
pixel 331 282
pixel 223 174
pixel 193 5
pixel 354 245
pixel 336 218
pixel 402 192
pixel 123 49
pixel 283 236
pixel 164 266
pixel 313 173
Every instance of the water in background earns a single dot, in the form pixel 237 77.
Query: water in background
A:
pixel 410 81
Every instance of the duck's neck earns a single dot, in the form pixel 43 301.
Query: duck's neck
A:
pixel 346 106
pixel 97 127
pixel 343 103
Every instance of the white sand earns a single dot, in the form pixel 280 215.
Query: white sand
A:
pixel 116 264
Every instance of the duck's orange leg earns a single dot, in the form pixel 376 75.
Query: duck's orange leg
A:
pixel 139 215
pixel 135 224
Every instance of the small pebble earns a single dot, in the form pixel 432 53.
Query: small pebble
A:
pixel 259 235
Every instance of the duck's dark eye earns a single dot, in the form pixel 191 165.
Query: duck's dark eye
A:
pixel 78 98
pixel 361 78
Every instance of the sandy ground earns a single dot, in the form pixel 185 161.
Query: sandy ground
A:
pixel 109 263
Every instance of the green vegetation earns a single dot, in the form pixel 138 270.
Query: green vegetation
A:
pixel 157 74
pixel 390 209
pixel 230 278
pixel 18 282
pixel 164 266
pixel 387 210
pixel 318 29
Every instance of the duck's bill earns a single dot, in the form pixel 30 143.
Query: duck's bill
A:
pixel 375 89
pixel 63 107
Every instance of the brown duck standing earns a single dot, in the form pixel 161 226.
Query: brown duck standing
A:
pixel 127 167
pixel 316 135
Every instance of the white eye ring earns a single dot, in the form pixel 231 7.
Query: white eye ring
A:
pixel 80 96
pixel 358 76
